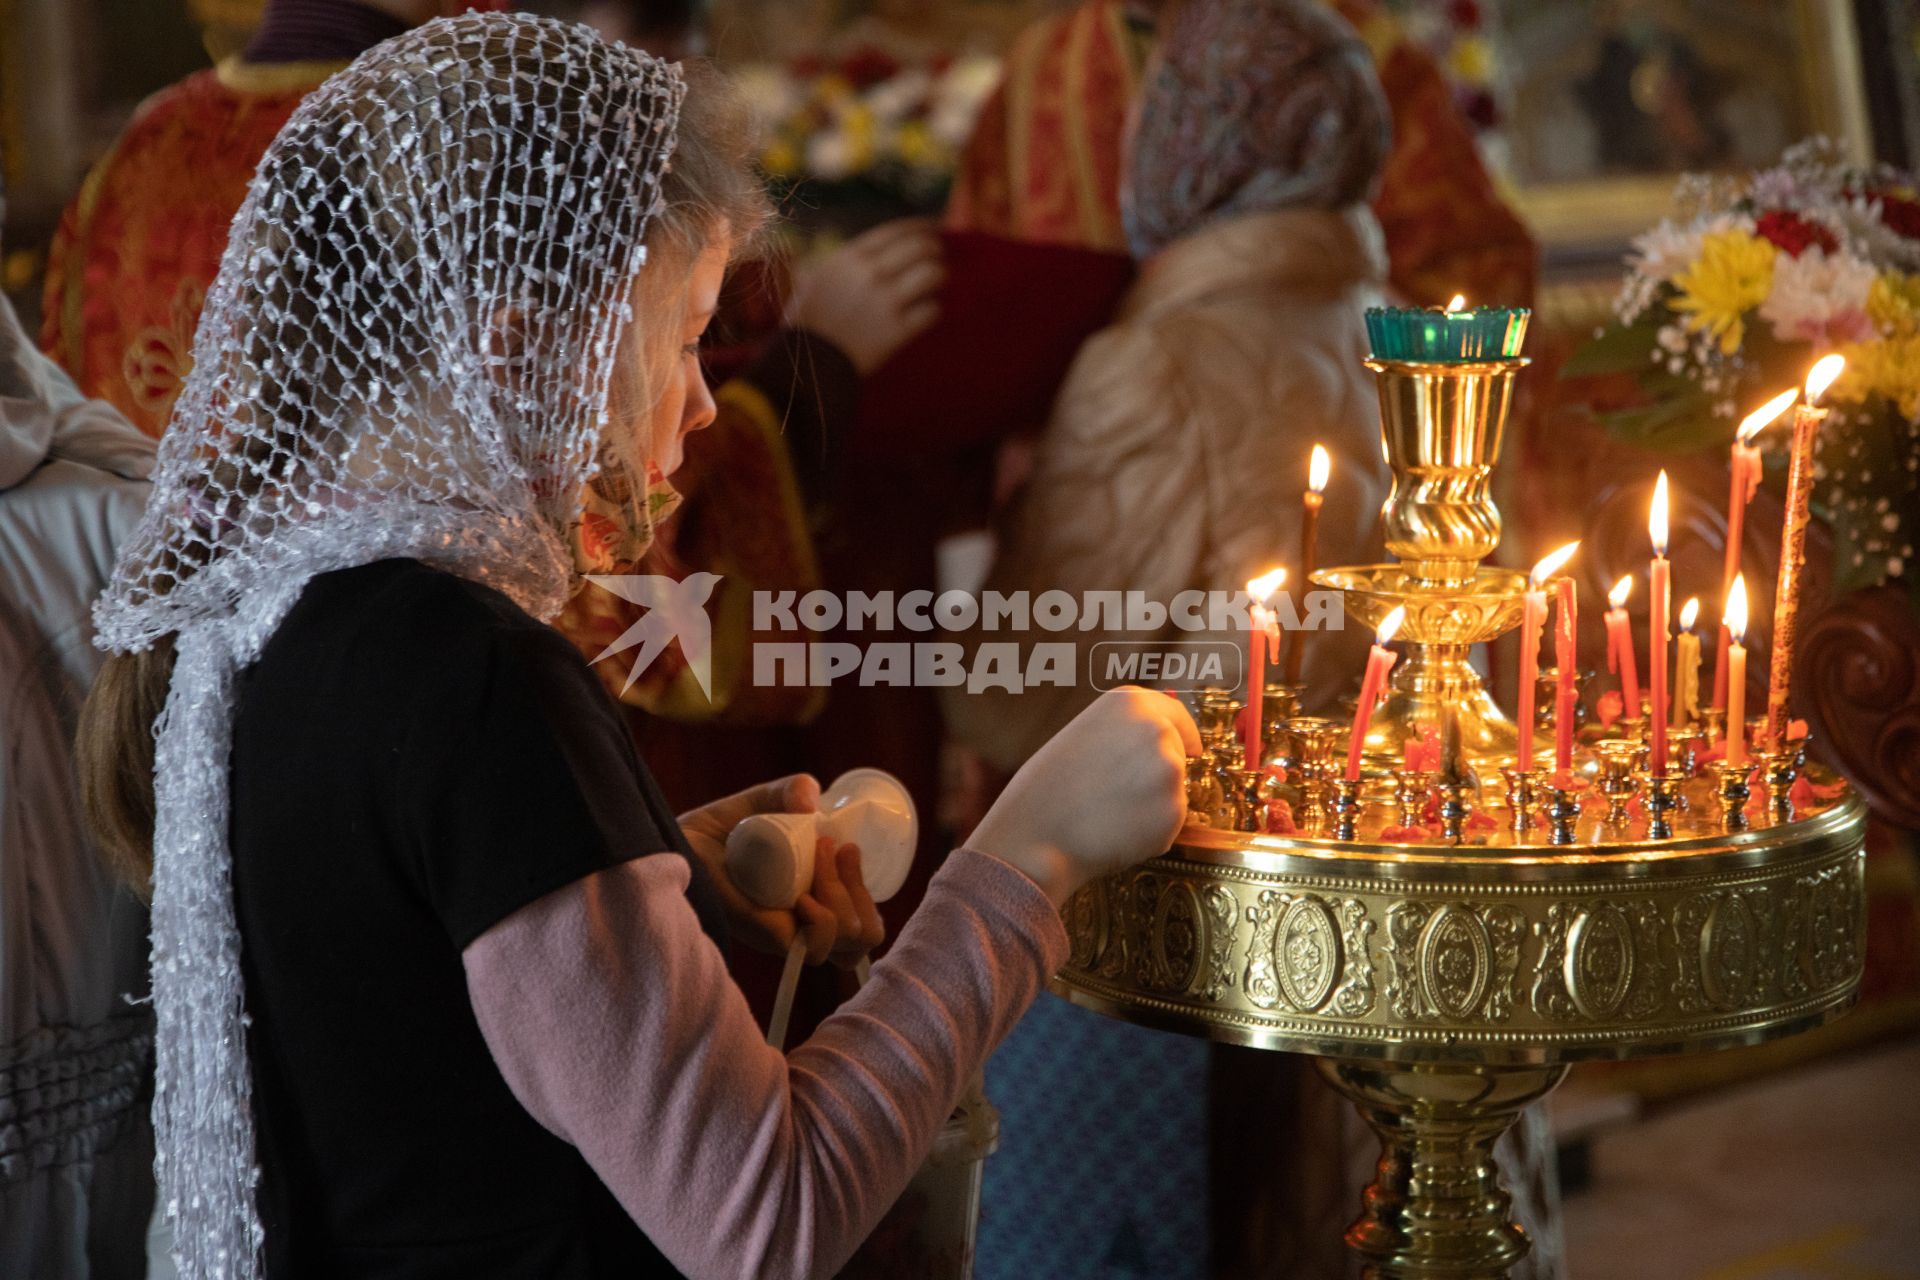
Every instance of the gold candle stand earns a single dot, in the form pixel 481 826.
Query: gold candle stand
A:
pixel 1445 986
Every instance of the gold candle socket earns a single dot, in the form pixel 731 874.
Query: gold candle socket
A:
pixel 1346 807
pixel 1662 792
pixel 1313 739
pixel 1206 801
pixel 1782 769
pixel 1454 808
pixel 1249 799
pixel 1713 725
pixel 1732 790
pixel 1410 788
pixel 1563 814
pixel 1620 763
pixel 1279 704
pixel 1523 786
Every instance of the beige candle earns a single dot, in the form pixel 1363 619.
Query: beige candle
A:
pixel 1686 666
pixel 1793 542
pixel 1319 471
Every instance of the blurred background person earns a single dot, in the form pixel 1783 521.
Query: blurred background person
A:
pixel 76 1146
pixel 130 264
pixel 1045 159
pixel 1261 135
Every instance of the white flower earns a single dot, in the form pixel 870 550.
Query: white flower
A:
pixel 1820 298
pixel 958 97
pixel 895 97
pixel 831 155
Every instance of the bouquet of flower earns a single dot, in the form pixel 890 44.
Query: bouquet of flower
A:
pixel 867 126
pixel 1734 299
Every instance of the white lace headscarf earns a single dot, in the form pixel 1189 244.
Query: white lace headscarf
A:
pixel 407 352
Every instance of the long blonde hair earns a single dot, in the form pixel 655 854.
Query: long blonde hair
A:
pixel 710 189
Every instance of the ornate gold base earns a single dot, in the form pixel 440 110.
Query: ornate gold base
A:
pixel 1443 990
pixel 1436 1209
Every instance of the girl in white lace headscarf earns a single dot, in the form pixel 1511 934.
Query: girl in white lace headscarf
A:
pixel 412 349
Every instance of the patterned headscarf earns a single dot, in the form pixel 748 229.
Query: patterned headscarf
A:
pixel 1252 106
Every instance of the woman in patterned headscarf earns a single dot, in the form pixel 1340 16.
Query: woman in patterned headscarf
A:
pixel 1174 462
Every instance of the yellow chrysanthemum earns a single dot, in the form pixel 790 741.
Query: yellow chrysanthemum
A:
pixel 1890 368
pixel 1472 60
pixel 1732 276
pixel 781 158
pixel 832 87
pixel 1893 304
pixel 917 146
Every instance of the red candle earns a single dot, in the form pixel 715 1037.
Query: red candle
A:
pixel 1319 469
pixel 1566 655
pixel 1532 622
pixel 1372 686
pixel 1746 479
pixel 1660 588
pixel 1263 636
pixel 1736 624
pixel 1620 656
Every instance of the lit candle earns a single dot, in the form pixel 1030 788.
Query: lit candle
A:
pixel 1373 685
pixel 1319 468
pixel 1566 657
pixel 1263 634
pixel 1746 479
pixel 1456 332
pixel 1686 667
pixel 1793 541
pixel 1532 621
pixel 1620 657
pixel 1736 623
pixel 1660 588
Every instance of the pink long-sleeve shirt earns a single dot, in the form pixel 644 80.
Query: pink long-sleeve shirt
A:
pixel 614 1021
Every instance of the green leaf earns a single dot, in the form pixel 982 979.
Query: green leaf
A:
pixel 1618 349
pixel 1679 419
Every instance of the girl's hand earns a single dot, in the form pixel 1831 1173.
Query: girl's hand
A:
pixel 1105 792
pixel 837 916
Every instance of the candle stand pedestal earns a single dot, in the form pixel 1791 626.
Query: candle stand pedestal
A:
pixel 1444 989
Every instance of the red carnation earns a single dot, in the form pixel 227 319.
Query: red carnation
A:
pixel 868 66
pixel 1795 234
pixel 1901 215
pixel 1465 14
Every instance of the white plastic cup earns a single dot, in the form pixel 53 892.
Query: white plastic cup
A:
pixel 770 855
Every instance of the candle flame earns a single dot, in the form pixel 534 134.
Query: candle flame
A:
pixel 1736 615
pixel 1689 613
pixel 1621 590
pixel 1822 375
pixel 1551 562
pixel 1264 587
pixel 1761 418
pixel 1319 469
pixel 1390 625
pixel 1458 304
pixel 1657 516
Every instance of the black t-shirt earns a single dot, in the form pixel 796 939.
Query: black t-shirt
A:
pixel 414 759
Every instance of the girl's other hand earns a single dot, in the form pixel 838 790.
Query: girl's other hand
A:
pixel 836 916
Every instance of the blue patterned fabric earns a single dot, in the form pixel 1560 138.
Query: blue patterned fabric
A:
pixel 1102 1167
